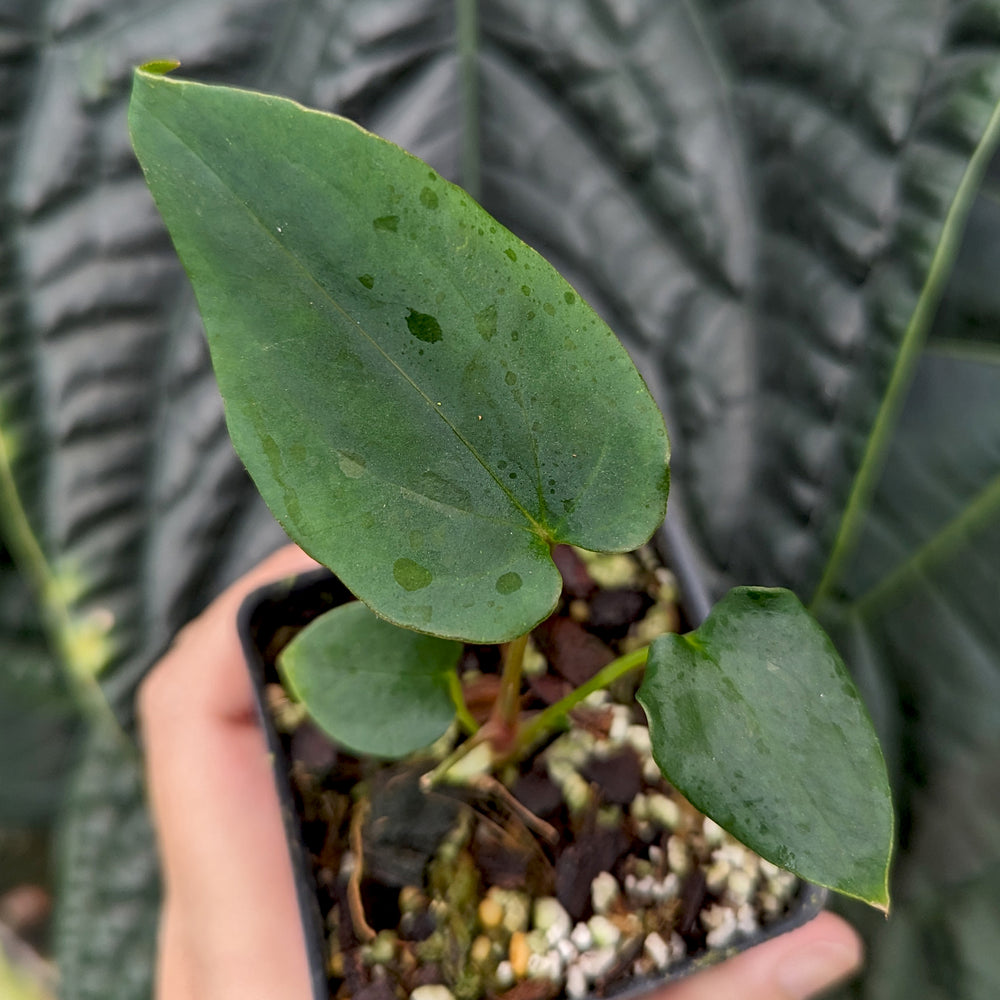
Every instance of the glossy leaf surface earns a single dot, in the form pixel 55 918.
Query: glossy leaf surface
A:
pixel 423 401
pixel 375 688
pixel 755 719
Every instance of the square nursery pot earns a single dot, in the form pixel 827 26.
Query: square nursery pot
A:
pixel 709 899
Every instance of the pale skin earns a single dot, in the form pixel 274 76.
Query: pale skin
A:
pixel 230 928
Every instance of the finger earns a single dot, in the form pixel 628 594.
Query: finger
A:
pixel 792 966
pixel 230 926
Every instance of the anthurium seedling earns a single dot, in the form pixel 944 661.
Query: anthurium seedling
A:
pixel 429 408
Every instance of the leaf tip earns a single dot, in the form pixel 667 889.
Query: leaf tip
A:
pixel 159 67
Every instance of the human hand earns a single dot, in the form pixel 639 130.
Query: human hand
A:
pixel 230 925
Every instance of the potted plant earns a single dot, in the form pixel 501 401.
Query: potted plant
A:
pixel 430 410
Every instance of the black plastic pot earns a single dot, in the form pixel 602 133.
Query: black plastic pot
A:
pixel 267 621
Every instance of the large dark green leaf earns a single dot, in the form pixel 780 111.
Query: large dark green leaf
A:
pixel 919 607
pixel 754 718
pixel 423 401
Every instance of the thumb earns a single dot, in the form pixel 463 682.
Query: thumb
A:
pixel 793 966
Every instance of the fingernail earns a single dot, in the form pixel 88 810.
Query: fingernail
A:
pixel 803 973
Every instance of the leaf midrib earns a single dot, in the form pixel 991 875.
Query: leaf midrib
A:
pixel 911 348
pixel 534 525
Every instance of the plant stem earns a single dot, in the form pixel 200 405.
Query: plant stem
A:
pixel 553 716
pixel 462 713
pixel 508 703
pixel 432 777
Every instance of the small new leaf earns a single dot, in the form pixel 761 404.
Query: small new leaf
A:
pixel 755 719
pixel 375 688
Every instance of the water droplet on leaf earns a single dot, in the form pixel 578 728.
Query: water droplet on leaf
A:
pixel 486 321
pixel 351 465
pixel 509 583
pixel 411 575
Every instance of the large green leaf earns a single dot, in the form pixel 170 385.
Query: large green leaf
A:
pixel 425 404
pixel 375 688
pixel 755 719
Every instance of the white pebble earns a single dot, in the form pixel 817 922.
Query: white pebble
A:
pixel 740 887
pixel 576 983
pixel 714 834
pixel 678 947
pixel 605 934
pixel 576 792
pixel 677 856
pixel 567 950
pixel 621 722
pixel 551 918
pixel 667 888
pixel 637 737
pixel 722 926
pixel 604 892
pixel 767 869
pixel 504 974
pixel 547 966
pixel 643 889
pixel 433 991
pixel 595 963
pixel 746 919
pixel 657 950
pixel 716 874
pixel 664 811
pixel 581 937
pixel 651 771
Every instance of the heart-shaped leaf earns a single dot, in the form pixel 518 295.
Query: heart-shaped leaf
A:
pixel 424 402
pixel 755 719
pixel 373 687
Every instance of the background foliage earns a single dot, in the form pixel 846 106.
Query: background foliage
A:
pixel 765 198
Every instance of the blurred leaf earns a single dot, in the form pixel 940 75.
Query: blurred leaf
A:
pixel 106 922
pixel 38 719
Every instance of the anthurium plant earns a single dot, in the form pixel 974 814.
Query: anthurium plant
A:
pixel 429 408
